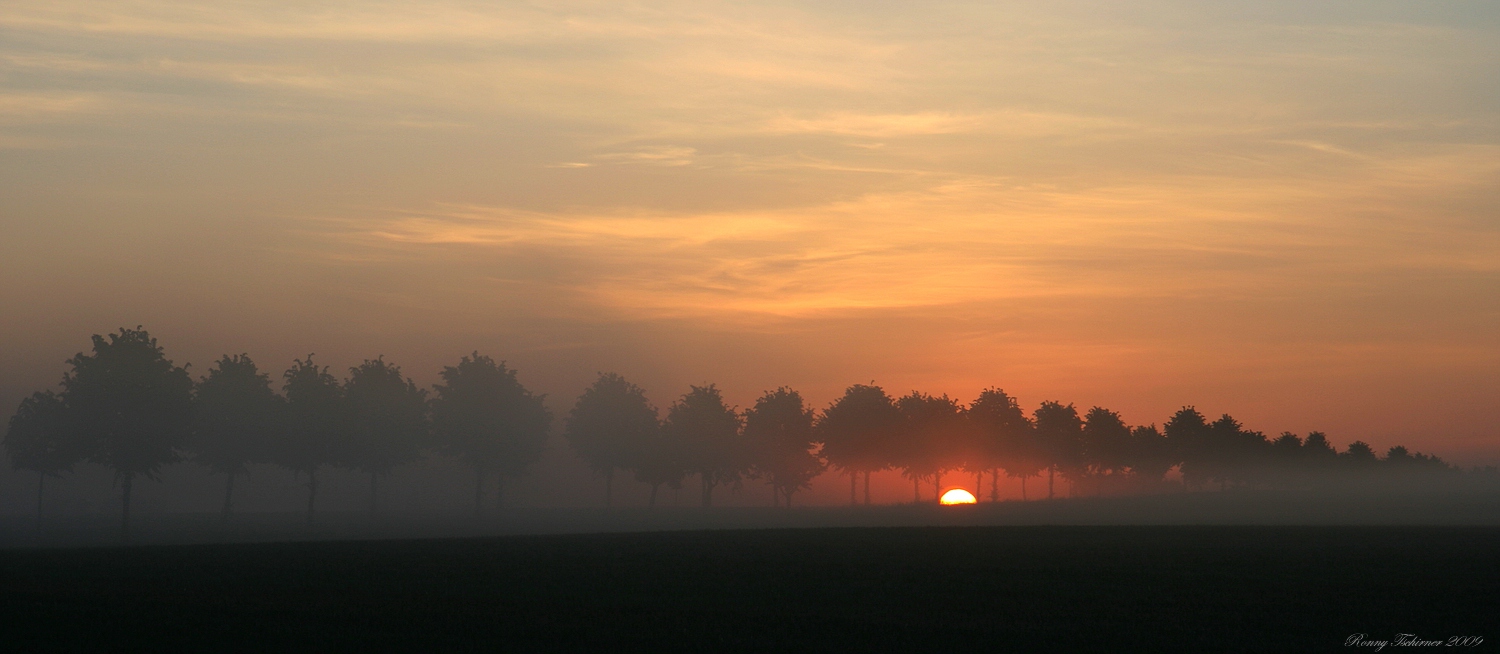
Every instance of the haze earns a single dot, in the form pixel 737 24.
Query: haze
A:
pixel 1283 212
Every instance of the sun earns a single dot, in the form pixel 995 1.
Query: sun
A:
pixel 957 496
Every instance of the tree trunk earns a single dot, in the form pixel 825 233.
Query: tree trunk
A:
pixel 853 486
pixel 916 490
pixel 41 481
pixel 374 492
pixel 228 496
pixel 312 492
pixel 867 488
pixel 937 487
pixel 478 489
pixel 125 506
pixel 995 485
pixel 1023 489
pixel 789 492
pixel 775 496
pixel 978 485
pixel 1050 470
pixel 708 492
pixel 652 502
pixel 609 489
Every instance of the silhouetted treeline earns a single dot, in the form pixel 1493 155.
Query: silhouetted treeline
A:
pixel 126 406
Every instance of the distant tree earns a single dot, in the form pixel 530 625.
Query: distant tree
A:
pixel 612 426
pixel 1106 441
pixel 1286 457
pixel 1149 456
pixel 236 416
pixel 932 438
pixel 709 433
pixel 857 431
pixel 779 429
pixel 388 424
pixel 1358 457
pixel 316 433
pixel 1003 437
pixel 39 440
pixel 1060 433
pixel 1317 452
pixel 483 415
pixel 131 406
pixel 1187 434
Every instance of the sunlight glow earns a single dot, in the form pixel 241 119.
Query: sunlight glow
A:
pixel 957 496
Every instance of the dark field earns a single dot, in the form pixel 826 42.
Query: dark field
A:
pixel 943 589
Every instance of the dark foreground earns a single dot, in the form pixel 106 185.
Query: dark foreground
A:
pixel 944 589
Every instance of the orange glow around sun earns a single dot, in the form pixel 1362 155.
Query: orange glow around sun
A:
pixel 957 496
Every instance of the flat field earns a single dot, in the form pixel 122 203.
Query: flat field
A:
pixel 944 589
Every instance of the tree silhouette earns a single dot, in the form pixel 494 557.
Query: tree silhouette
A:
pixel 1059 431
pixel 236 416
pixel 1149 456
pixel 857 431
pixel 659 461
pixel 316 432
pixel 1106 443
pixel 483 415
pixel 709 432
pixel 610 426
pixel 1187 433
pixel 1003 437
pixel 38 439
pixel 779 429
pixel 388 420
pixel 131 407
pixel 932 438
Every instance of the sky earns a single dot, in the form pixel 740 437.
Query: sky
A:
pixel 1285 211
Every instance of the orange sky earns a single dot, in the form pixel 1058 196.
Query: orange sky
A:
pixel 1290 214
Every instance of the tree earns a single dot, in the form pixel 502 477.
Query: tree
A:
pixel 709 432
pixel 1106 439
pixel 611 426
pixel 1059 432
pixel 659 461
pixel 483 415
pixel 1150 455
pixel 38 439
pixel 1187 434
pixel 1003 437
pixel 387 416
pixel 857 431
pixel 130 405
pixel 933 436
pixel 779 429
pixel 235 419
pixel 316 433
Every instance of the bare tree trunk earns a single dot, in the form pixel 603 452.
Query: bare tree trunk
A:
pixel 312 492
pixel 652 502
pixel 609 489
pixel 125 506
pixel 478 489
pixel 937 487
pixel 1050 470
pixel 228 496
pixel 995 485
pixel 978 485
pixel 867 488
pixel 853 483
